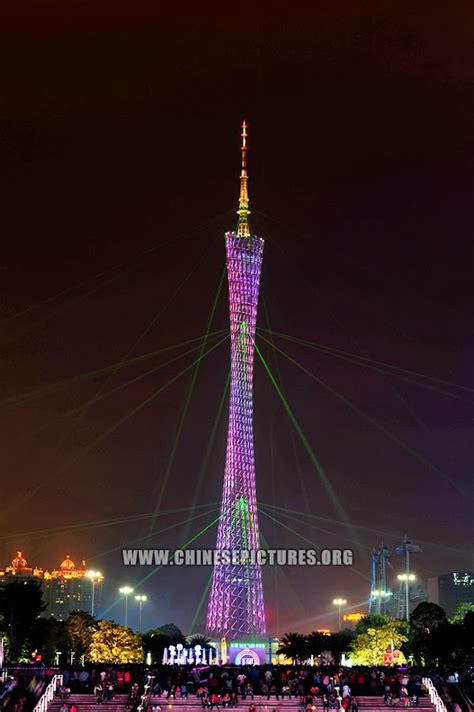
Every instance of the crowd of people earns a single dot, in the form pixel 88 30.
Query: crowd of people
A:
pixel 333 689
pixel 230 687
pixel 279 682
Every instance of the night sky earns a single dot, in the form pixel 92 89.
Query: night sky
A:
pixel 119 144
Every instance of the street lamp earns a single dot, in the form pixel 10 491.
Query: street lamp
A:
pixel 141 600
pixel 406 578
pixel 339 602
pixel 381 595
pixel 93 576
pixel 126 591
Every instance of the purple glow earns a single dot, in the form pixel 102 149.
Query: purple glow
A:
pixel 236 601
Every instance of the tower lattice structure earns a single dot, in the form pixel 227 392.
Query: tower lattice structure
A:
pixel 235 607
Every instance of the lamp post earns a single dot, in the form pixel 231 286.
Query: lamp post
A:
pixel 93 576
pixel 406 578
pixel 141 600
pixel 126 591
pixel 381 596
pixel 339 602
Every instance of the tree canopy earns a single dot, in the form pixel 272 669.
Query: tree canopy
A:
pixel 369 647
pixel 157 639
pixel 115 644
pixel 461 611
pixel 298 647
pixel 21 603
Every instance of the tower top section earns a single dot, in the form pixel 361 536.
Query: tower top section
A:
pixel 243 228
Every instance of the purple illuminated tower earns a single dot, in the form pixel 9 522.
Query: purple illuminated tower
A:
pixel 236 601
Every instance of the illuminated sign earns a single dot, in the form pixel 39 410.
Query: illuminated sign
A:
pixel 463 579
pixel 353 617
pixel 198 655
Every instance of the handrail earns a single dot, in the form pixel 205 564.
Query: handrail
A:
pixel 48 694
pixel 434 695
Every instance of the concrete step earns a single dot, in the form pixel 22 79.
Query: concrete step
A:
pixel 84 699
pixel 87 703
pixel 258 702
pixel 375 701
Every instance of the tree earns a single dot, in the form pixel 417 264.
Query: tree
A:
pixel 157 639
pixel 423 621
pixel 448 644
pixel 199 639
pixel 439 642
pixel 369 648
pixel 427 616
pixel 461 611
pixel 316 643
pixel 21 603
pixel 49 636
pixel 80 627
pixel 373 620
pixel 340 643
pixel 115 644
pixel 294 646
pixel 171 631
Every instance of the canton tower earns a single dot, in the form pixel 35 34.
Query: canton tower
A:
pixel 236 602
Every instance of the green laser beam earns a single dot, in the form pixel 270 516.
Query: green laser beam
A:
pixel 281 570
pixel 183 547
pixel 87 449
pixel 378 366
pixel 89 375
pixel 309 541
pixel 181 237
pixel 85 408
pixel 83 283
pixel 369 530
pixel 319 529
pixel 157 568
pixel 151 534
pixel 189 394
pixel 305 498
pixel 210 444
pixel 314 460
pixel 401 443
pixel 101 396
pixel 200 604
pixel 40 533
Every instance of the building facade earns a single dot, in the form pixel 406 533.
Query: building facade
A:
pixel 65 589
pixel 449 590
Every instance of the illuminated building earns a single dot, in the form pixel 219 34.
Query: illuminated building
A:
pixel 235 607
pixel 66 589
pixel 449 590
pixel 19 568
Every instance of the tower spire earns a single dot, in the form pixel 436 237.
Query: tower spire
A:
pixel 243 228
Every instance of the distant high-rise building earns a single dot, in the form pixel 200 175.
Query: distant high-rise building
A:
pixel 69 588
pixel 449 590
